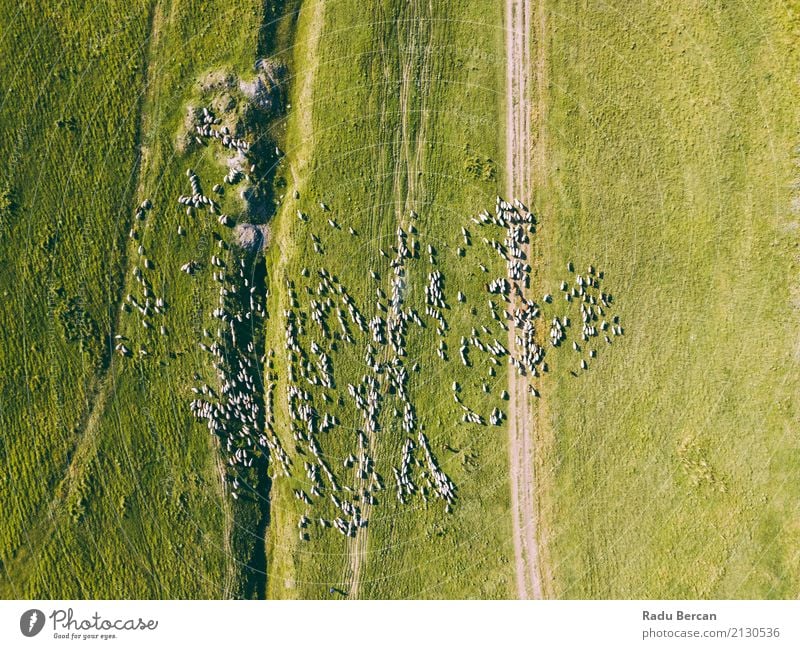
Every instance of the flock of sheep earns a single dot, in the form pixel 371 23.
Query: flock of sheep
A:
pixel 341 485
pixel 594 305
pixel 331 320
pixel 241 413
pixel 233 403
pixel 147 304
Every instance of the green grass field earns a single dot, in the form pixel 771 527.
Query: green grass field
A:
pixel 665 156
pixel 374 144
pixel 69 115
pixel 113 491
pixel 670 159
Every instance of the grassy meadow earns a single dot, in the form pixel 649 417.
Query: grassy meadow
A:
pixel 69 118
pixel 388 111
pixel 113 491
pixel 669 139
pixel 665 156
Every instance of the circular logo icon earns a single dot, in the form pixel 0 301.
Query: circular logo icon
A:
pixel 31 622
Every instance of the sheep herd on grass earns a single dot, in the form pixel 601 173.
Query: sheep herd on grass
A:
pixel 384 395
pixel 238 405
pixel 232 404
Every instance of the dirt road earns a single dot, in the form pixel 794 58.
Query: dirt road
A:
pixel 519 151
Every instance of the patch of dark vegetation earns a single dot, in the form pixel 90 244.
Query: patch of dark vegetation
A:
pixel 262 117
pixel 247 463
pixel 68 122
pixel 8 201
pixel 255 586
pixel 479 167
pixel 276 14
pixel 78 325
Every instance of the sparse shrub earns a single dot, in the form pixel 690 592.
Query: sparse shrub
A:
pixel 479 167
pixel 7 202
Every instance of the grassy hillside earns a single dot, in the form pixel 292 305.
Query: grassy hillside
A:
pixel 390 106
pixel 69 120
pixel 119 493
pixel 665 157
pixel 669 142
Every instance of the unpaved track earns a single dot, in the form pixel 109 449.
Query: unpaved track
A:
pixel 519 152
